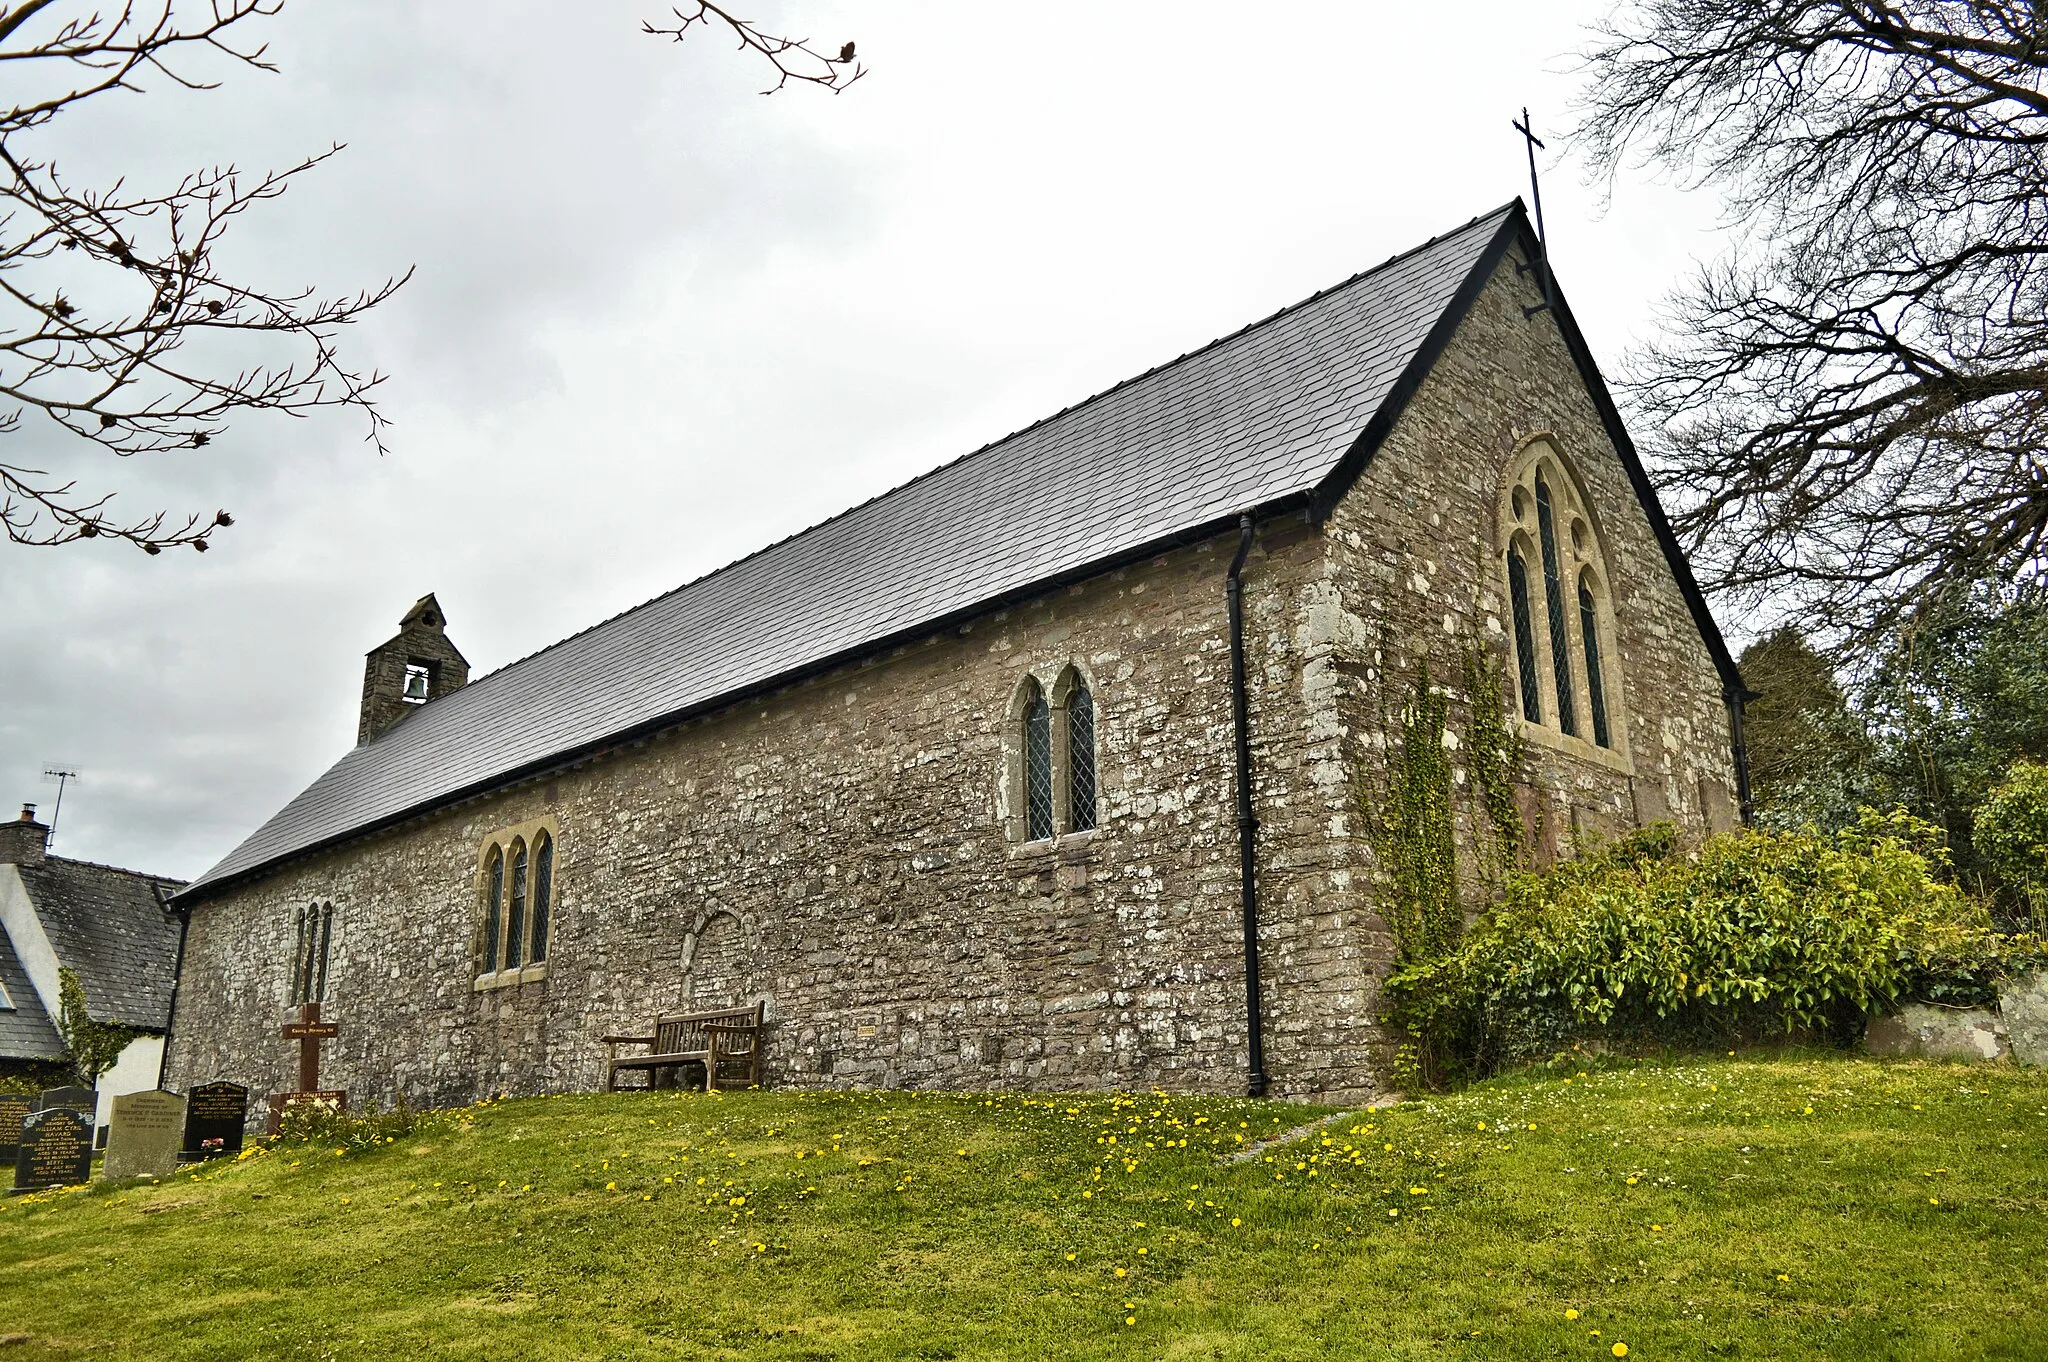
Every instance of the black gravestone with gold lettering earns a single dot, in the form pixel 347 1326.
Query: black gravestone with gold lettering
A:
pixel 56 1150
pixel 14 1107
pixel 215 1115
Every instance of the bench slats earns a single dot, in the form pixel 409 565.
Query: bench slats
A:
pixel 727 1043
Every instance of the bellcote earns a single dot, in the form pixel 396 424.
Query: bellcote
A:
pixel 415 666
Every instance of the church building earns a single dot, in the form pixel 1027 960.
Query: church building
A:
pixel 1049 769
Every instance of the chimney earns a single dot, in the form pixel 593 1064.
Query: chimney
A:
pixel 23 841
pixel 415 666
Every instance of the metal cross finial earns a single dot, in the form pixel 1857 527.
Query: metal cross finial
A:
pixel 1536 196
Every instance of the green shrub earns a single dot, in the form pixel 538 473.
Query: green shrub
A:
pixel 2011 834
pixel 1756 934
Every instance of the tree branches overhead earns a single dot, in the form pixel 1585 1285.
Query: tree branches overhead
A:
pixel 117 328
pixel 793 58
pixel 1854 405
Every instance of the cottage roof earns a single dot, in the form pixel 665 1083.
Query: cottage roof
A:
pixel 108 926
pixel 1263 420
pixel 26 1031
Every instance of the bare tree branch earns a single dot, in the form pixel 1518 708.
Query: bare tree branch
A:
pixel 1851 411
pixel 793 58
pixel 114 321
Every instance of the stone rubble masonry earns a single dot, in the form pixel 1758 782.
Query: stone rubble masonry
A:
pixel 853 824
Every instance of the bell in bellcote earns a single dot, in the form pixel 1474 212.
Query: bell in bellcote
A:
pixel 415 685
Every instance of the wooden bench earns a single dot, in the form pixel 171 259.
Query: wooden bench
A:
pixel 726 1044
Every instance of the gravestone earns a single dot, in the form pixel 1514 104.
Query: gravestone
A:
pixel 144 1135
pixel 13 1107
pixel 215 1115
pixel 56 1150
pixel 77 1099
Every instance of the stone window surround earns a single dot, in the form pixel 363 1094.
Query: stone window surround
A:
pixel 1056 680
pixel 501 840
pixel 1582 547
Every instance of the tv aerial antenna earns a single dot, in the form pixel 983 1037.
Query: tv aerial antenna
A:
pixel 1542 263
pixel 63 775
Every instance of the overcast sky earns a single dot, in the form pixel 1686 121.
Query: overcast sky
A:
pixel 658 321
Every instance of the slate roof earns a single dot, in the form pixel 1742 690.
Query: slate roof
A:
pixel 26 1031
pixel 1272 416
pixel 108 926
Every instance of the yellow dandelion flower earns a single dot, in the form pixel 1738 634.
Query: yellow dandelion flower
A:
pixel 1619 1350
pixel 611 1186
pixel 1934 1201
pixel 1130 1319
pixel 1121 1273
pixel 1393 1215
pixel 1571 1314
pixel 1784 1277
pixel 1070 1257
pixel 1235 1222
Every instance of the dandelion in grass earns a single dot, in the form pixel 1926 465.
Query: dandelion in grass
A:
pixel 1619 1350
pixel 1571 1314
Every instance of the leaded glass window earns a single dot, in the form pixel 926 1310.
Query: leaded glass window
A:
pixel 319 993
pixel 1037 766
pixel 1553 599
pixel 515 908
pixel 1589 626
pixel 494 899
pixel 1080 759
pixel 298 989
pixel 543 888
pixel 1525 637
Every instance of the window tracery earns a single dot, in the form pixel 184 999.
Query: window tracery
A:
pixel 1565 671
pixel 516 888
pixel 1052 785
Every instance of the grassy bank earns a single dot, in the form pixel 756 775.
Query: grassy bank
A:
pixel 1817 1207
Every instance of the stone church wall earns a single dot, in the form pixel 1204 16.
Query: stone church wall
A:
pixel 838 849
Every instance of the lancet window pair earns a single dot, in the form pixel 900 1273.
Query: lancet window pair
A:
pixel 309 954
pixel 518 892
pixel 1549 531
pixel 1056 744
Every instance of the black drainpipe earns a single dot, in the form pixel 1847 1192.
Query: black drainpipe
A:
pixel 1737 698
pixel 1247 821
pixel 163 1067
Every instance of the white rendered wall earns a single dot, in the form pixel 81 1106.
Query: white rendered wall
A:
pixel 134 1071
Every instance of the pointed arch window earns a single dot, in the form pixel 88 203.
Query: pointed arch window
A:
pixel 494 905
pixel 515 907
pixel 1080 758
pixel 1525 637
pixel 1037 765
pixel 1567 669
pixel 1553 599
pixel 1051 785
pixel 309 953
pixel 1589 629
pixel 543 891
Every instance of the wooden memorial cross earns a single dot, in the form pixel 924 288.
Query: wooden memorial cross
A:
pixel 308 1031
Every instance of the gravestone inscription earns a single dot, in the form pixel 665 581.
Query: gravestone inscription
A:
pixel 146 1131
pixel 14 1106
pixel 215 1115
pixel 56 1150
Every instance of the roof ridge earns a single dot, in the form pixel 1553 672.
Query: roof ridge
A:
pixel 981 449
pixel 117 869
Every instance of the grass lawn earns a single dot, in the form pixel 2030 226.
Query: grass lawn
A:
pixel 1743 1207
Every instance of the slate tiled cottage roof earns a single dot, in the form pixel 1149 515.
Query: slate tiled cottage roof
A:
pixel 109 927
pixel 1257 421
pixel 26 1031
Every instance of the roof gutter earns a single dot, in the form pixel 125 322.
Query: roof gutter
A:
pixel 1247 820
